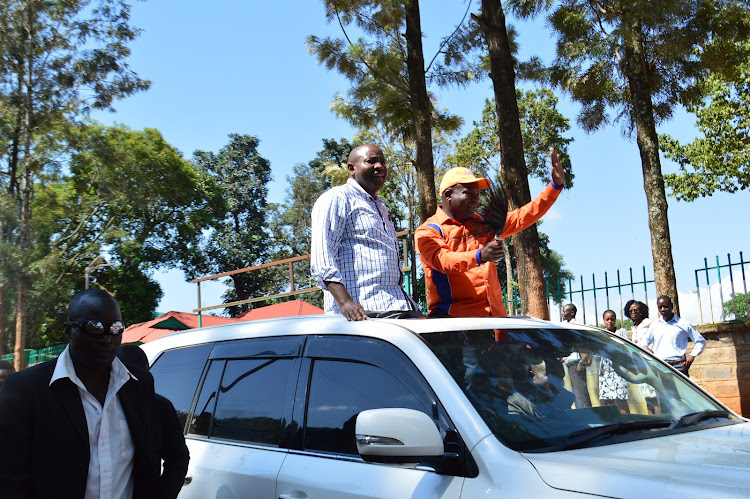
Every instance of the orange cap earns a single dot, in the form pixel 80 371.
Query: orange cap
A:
pixel 461 175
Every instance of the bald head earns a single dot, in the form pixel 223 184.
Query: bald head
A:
pixel 368 168
pixel 88 301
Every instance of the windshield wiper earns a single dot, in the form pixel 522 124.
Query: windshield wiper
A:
pixel 696 417
pixel 579 438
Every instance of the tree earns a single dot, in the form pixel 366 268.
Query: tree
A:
pixel 641 59
pixel 127 195
pixel 720 160
pixel 58 60
pixel 514 171
pixel 542 126
pixel 737 306
pixel 237 234
pixel 389 79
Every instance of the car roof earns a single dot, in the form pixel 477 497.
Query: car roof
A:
pixel 337 324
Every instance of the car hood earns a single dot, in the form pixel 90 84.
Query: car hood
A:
pixel 713 462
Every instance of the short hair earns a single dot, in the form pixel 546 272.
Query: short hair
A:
pixel 608 311
pixel 570 305
pixel 133 354
pixel 88 298
pixel 664 297
pixel 4 364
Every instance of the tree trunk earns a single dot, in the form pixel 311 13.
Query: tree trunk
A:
pixel 653 182
pixel 20 349
pixel 25 192
pixel 514 171
pixel 511 308
pixel 2 320
pixel 421 109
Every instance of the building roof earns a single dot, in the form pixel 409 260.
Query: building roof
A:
pixel 179 321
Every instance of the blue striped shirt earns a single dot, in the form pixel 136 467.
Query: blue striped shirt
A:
pixel 354 242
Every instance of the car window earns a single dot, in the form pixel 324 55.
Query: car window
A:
pixel 204 407
pixel 251 400
pixel 523 387
pixel 339 391
pixel 176 374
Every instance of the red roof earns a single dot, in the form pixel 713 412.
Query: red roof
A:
pixel 179 321
pixel 286 309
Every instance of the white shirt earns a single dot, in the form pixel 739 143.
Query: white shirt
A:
pixel 640 333
pixel 670 338
pixel 110 471
pixel 354 243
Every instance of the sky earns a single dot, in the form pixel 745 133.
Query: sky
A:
pixel 242 67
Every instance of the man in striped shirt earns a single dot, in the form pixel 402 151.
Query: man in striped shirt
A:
pixel 354 253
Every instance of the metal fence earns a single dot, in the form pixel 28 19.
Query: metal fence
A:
pixel 33 357
pixel 733 271
pixel 611 295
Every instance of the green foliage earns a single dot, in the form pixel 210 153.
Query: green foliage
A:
pixel 130 196
pixel 377 69
pixel 737 306
pixel 542 127
pixel 58 60
pixel 236 235
pixel 681 42
pixel 720 160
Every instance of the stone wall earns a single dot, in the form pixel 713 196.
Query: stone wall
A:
pixel 723 369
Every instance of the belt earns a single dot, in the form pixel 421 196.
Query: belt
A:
pixel 675 362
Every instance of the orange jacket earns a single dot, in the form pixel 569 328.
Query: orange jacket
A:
pixel 459 284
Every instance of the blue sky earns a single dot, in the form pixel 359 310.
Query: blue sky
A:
pixel 242 67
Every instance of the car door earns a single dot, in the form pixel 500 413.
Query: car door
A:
pixel 340 377
pixel 239 419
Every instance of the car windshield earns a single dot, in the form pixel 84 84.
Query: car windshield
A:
pixel 554 389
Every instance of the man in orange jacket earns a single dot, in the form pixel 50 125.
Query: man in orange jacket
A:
pixel 459 261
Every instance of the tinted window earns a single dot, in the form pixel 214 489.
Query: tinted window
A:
pixel 204 407
pixel 251 400
pixel 176 374
pixel 341 390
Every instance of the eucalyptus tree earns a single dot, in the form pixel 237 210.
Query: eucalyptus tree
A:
pixel 389 77
pixel 58 60
pixel 639 59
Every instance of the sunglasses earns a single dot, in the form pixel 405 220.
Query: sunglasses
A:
pixel 97 328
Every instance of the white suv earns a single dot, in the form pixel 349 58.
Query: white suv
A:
pixel 318 407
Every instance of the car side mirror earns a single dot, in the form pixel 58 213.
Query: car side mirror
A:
pixel 397 436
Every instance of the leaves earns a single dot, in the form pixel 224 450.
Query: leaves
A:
pixel 720 159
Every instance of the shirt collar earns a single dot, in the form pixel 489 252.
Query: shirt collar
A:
pixel 442 217
pixel 64 369
pixel 353 184
pixel 670 321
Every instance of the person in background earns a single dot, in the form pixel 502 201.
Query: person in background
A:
pixel 670 335
pixel 167 431
pixel 569 312
pixel 354 248
pixel 576 364
pixel 638 313
pixel 613 389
